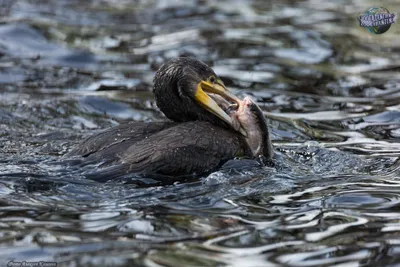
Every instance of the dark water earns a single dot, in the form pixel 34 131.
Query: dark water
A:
pixel 329 88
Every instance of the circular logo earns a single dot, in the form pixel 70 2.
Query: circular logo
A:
pixel 377 20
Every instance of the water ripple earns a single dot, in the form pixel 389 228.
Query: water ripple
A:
pixel 330 91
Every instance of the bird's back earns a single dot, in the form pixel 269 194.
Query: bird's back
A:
pixel 107 144
pixel 183 149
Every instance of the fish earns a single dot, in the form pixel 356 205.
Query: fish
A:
pixel 250 117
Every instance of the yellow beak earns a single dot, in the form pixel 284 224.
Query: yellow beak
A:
pixel 210 105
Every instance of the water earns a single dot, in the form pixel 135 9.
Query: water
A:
pixel 329 89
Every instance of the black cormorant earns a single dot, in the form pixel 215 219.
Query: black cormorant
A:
pixel 208 126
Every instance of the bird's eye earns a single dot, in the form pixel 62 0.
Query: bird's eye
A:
pixel 212 79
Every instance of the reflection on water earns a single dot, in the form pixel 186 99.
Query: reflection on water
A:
pixel 330 91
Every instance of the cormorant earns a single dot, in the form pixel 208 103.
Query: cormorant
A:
pixel 209 126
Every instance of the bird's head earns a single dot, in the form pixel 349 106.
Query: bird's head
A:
pixel 187 89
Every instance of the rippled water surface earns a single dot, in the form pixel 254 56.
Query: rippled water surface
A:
pixel 329 89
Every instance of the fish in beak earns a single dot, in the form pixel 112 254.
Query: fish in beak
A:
pixel 208 94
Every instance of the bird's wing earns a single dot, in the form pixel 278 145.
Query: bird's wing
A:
pixel 130 132
pixel 188 148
